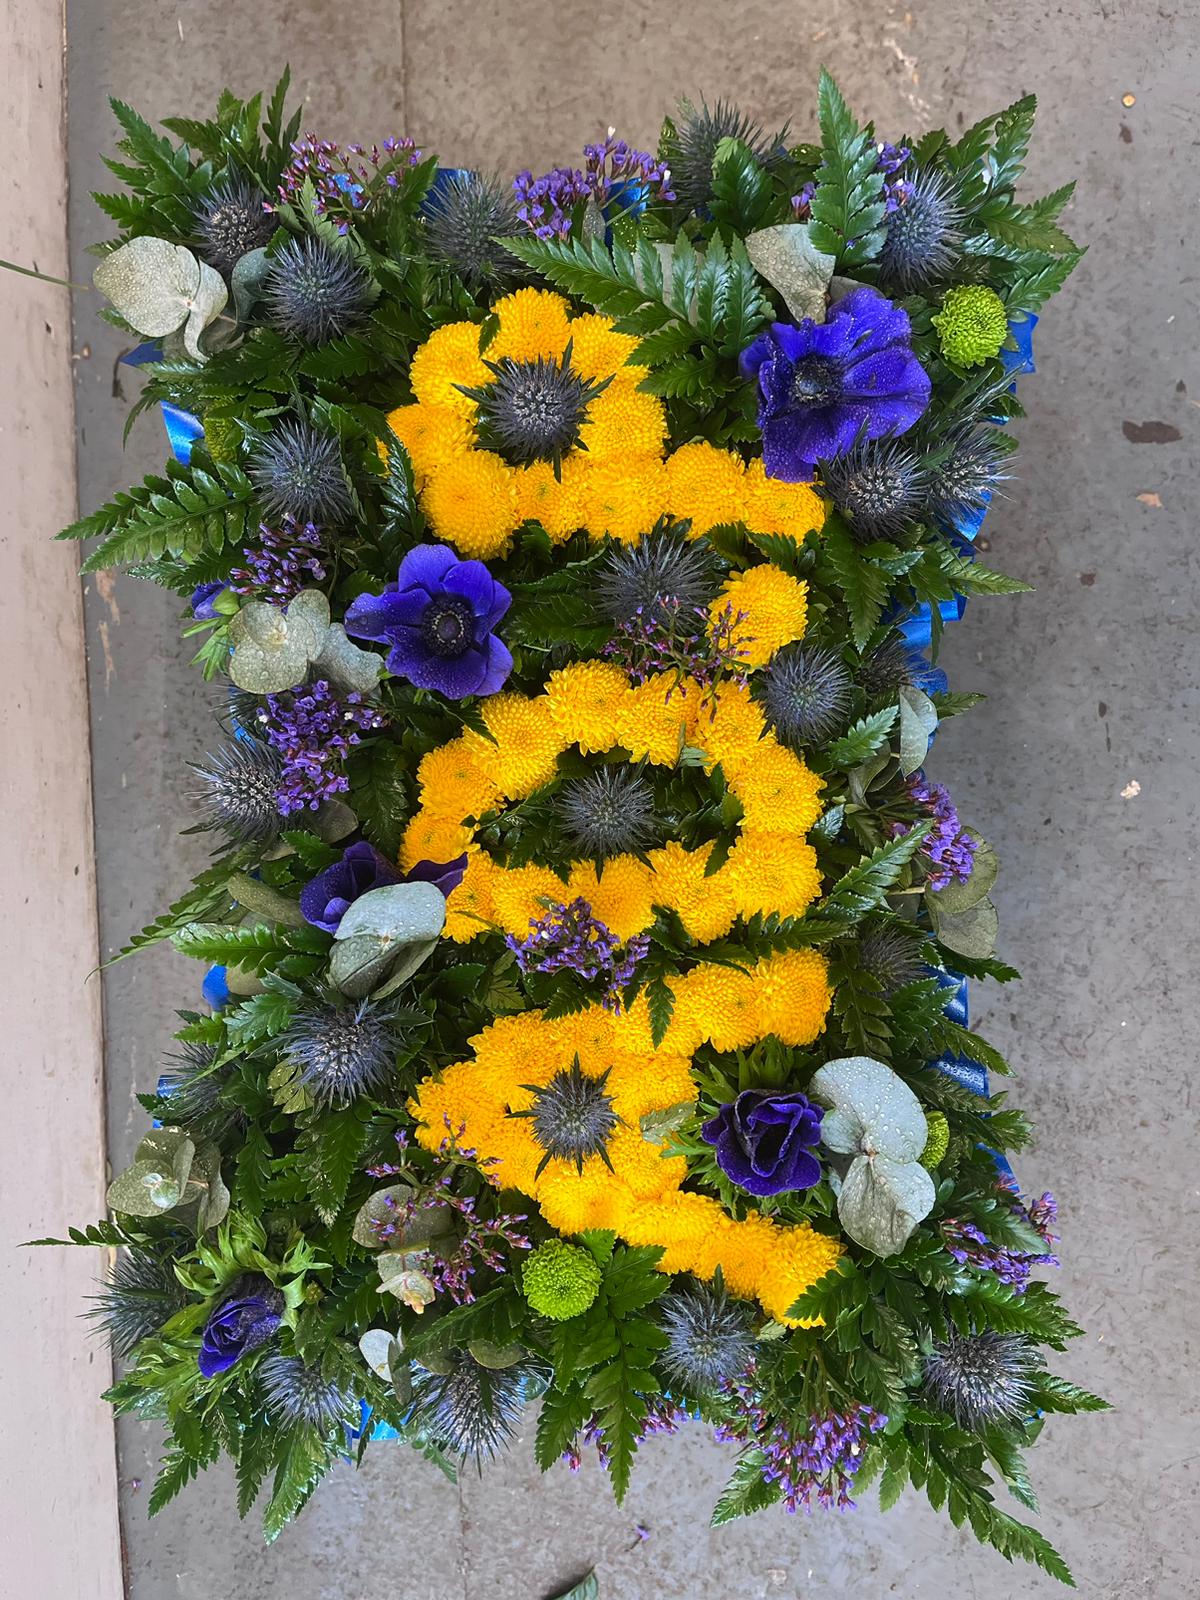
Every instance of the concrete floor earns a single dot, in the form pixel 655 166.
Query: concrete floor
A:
pixel 1093 696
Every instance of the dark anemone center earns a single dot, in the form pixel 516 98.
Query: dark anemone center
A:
pixel 447 626
pixel 816 381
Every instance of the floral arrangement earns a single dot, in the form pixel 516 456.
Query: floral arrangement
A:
pixel 587 949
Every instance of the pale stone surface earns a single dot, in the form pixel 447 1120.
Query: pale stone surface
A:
pixel 1092 684
pixel 58 1527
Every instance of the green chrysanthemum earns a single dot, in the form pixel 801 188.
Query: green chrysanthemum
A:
pixel 937 1140
pixel 972 325
pixel 560 1280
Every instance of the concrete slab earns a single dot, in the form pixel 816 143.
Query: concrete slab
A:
pixel 1092 684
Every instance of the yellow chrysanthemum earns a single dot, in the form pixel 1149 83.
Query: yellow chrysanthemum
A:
pixel 597 351
pixel 624 497
pixel 797 1258
pixel 775 606
pixel 558 503
pixel 704 905
pixel 620 897
pixel 471 502
pixel 731 736
pixel 793 995
pixel 650 726
pixel 430 838
pixel 532 323
pixel 470 907
pixel 770 506
pixel 449 357
pixel 778 792
pixel 454 786
pixel 624 422
pixel 525 743
pixel 586 699
pixel 723 1004
pixel 519 894
pixel 432 435
pixel 768 872
pixel 705 485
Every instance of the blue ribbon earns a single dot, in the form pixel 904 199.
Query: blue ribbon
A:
pixel 183 429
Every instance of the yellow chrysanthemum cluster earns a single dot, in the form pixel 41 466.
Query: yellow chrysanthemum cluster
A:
pixel 616 484
pixel 641 1198
pixel 771 867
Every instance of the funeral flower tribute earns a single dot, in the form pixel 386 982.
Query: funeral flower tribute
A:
pixel 586 948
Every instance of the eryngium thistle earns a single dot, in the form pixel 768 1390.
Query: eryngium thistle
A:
pixel 464 217
pixel 924 232
pixel 342 1049
pixel 709 1338
pixel 572 1117
pixel 296 1393
pixel 231 220
pixel 534 410
pixel 473 1410
pixel 807 695
pixel 887 669
pixel 960 485
pixel 610 812
pixel 982 1379
pixel 698 132
pixel 298 473
pixel 193 1084
pixel 890 954
pixel 878 485
pixel 141 1295
pixel 314 292
pixel 665 570
pixel 237 792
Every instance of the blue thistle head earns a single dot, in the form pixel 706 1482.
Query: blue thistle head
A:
pixel 982 1379
pixel 610 812
pixel 464 217
pixel 141 1295
pixel 924 231
pixel 878 485
pixel 889 951
pixel 236 794
pixel 315 292
pixel 572 1117
pixel 886 670
pixel 807 695
pixel 665 571
pixel 230 220
pixel 693 144
pixel 193 1084
pixel 342 1049
pixel 709 1339
pixel 298 472
pixel 295 1394
pixel 471 1409
pixel 534 410
pixel 961 483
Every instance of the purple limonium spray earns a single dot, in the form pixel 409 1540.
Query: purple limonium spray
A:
pixel 342 180
pixel 546 203
pixel 814 1461
pixel 663 1416
pixel 949 849
pixel 286 560
pixel 570 939
pixel 685 643
pixel 315 731
pixel 971 1247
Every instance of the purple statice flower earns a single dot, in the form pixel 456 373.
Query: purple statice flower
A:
pixel 663 1416
pixel 765 1141
pixel 825 386
pixel 343 179
pixel 438 619
pixel 949 849
pixel 802 202
pixel 814 1462
pixel 685 642
pixel 455 1253
pixel 248 1316
pixel 971 1247
pixel 314 731
pixel 612 172
pixel 570 939
pixel 285 561
pixel 892 157
pixel 203 601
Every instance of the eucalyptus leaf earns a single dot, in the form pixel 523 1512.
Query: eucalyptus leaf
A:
pixel 872 1110
pixel 272 650
pixel 345 665
pixel 787 258
pixel 398 913
pixel 968 933
pixel 208 302
pixel 376 1346
pixel 399 1275
pixel 411 958
pixel 357 965
pixel 430 1223
pixel 333 820
pixel 882 1200
pixel 158 1177
pixel 151 283
pixel 957 897
pixel 254 895
pixel 213 1197
pixel 249 275
pixel 495 1356
pixel 918 722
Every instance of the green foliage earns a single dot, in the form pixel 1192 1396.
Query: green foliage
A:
pixel 848 205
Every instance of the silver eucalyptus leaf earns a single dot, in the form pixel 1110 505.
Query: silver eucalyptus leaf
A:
pixel 152 283
pixel 247 279
pixel 375 1346
pixel 918 721
pixel 968 933
pixel 207 304
pixel 399 913
pixel 345 664
pixel 881 1201
pixel 787 258
pixel 872 1110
